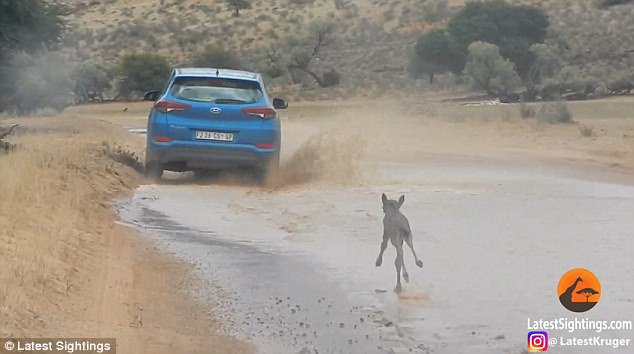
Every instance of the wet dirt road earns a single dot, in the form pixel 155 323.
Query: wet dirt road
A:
pixel 295 267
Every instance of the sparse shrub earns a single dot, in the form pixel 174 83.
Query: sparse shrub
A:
pixel 215 56
pixel 621 86
pixel 435 10
pixel 600 91
pixel 300 51
pixel 526 110
pixel 586 131
pixel 138 73
pixel 122 155
pixel 554 112
pixel 90 81
pixel 273 71
pixel 330 78
pixel 340 4
pixel 388 15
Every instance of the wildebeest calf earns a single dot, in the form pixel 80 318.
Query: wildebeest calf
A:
pixel 396 229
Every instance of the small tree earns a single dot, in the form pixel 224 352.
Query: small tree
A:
pixel 434 54
pixel 305 48
pixel 215 56
pixel 237 5
pixel 513 28
pixel 138 73
pixel 489 71
pixel 547 61
pixel 31 25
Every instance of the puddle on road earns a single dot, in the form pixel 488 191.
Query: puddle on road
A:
pixel 269 251
pixel 278 301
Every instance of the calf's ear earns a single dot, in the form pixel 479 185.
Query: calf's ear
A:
pixel 401 200
pixel 383 198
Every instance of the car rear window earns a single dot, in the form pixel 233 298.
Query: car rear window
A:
pixel 216 90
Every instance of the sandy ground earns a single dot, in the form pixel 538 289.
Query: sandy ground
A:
pixel 66 268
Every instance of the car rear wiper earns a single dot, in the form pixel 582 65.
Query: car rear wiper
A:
pixel 229 100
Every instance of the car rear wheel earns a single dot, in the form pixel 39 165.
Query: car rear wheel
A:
pixel 154 171
pixel 268 174
pixel 201 174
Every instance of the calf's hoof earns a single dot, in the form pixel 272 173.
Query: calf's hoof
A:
pixel 419 263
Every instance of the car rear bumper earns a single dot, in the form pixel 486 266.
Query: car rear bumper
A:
pixel 182 158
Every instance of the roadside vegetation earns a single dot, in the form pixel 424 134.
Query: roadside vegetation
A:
pixel 511 50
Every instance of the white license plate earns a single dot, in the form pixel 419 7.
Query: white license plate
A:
pixel 214 136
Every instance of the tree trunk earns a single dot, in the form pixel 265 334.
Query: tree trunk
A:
pixel 4 146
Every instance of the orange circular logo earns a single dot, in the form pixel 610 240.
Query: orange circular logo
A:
pixel 579 290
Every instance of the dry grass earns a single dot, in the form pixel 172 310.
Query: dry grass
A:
pixel 53 191
pixel 66 269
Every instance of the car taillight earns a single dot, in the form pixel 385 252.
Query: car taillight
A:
pixel 262 112
pixel 169 106
pixel 265 146
pixel 162 139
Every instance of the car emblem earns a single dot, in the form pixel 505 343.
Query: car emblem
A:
pixel 215 110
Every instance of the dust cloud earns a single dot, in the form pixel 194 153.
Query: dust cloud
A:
pixel 329 156
pixel 328 144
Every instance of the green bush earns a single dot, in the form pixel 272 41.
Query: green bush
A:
pixel 90 81
pixel 489 71
pixel 513 28
pixel 138 73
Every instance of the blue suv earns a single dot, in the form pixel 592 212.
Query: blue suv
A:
pixel 210 119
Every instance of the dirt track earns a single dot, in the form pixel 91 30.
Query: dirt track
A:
pixel 492 200
pixel 326 147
